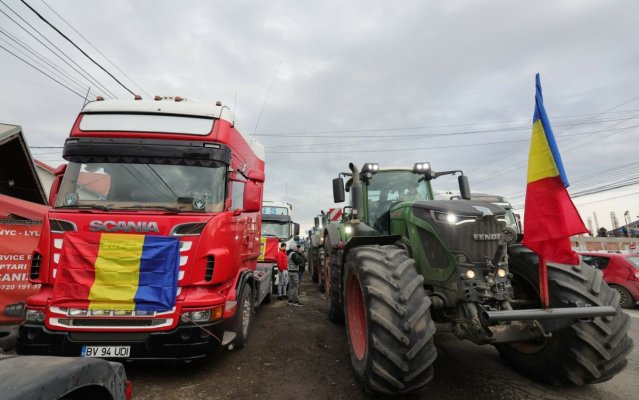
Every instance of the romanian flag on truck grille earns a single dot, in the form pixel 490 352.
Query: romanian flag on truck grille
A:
pixel 550 217
pixel 111 271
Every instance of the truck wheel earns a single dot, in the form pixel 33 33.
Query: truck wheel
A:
pixel 312 262
pixel 332 276
pixel 388 322
pixel 588 351
pixel 244 316
pixel 625 298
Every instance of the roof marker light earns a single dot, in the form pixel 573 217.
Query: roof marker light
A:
pixel 137 97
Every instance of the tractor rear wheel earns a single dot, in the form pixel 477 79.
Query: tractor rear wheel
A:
pixel 588 351
pixel 312 263
pixel 388 322
pixel 332 284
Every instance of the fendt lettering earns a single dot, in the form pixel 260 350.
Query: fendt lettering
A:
pixel 486 236
pixel 123 226
pixel 146 215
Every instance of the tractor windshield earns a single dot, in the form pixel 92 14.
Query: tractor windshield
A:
pixel 142 186
pixel 386 188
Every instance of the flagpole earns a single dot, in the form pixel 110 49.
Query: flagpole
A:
pixel 543 283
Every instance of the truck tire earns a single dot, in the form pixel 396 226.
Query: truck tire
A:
pixel 586 352
pixel 244 316
pixel 333 276
pixel 625 298
pixel 388 322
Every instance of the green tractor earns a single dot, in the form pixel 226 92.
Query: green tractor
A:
pixel 315 248
pixel 402 266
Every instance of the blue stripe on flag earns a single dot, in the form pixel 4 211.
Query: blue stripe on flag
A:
pixel 540 114
pixel 159 270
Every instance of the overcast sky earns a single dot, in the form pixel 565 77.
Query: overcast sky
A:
pixel 450 82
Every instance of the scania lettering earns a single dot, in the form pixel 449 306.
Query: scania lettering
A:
pixel 123 226
pixel 165 192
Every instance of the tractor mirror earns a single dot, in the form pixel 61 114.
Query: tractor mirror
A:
pixel 464 187
pixel 296 229
pixel 316 223
pixel 338 190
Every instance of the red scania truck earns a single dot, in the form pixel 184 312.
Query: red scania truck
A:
pixel 170 171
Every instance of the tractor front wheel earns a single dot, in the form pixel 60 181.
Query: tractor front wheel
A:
pixel 588 351
pixel 388 323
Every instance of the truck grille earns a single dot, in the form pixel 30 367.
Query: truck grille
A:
pixel 112 322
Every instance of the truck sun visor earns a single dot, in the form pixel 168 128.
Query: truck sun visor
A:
pixel 194 153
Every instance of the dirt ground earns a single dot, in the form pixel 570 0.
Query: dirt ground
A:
pixel 293 353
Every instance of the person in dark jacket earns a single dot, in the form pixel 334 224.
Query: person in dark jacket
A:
pixel 300 251
pixel 295 259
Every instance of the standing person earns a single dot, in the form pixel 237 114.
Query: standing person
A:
pixel 300 251
pixel 282 272
pixel 294 262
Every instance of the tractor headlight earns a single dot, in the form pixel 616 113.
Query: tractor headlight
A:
pixel 501 272
pixel 452 218
pixel 370 167
pixel 470 274
pixel 348 229
pixel 421 167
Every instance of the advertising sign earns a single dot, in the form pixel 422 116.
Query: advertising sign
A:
pixel 18 239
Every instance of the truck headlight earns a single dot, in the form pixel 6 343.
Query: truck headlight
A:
pixel 196 316
pixel 35 316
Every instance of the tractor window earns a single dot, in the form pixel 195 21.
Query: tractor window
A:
pixel 388 187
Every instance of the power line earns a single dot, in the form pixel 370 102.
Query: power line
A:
pixel 86 75
pixel 76 46
pixel 42 72
pixel 94 48
pixel 40 60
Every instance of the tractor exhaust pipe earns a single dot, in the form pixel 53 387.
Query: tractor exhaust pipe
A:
pixel 356 191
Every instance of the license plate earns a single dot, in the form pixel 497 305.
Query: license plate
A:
pixel 106 351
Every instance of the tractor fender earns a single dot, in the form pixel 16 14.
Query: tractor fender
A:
pixel 333 234
pixel 367 241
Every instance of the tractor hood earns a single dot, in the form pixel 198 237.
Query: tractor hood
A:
pixel 462 227
pixel 466 208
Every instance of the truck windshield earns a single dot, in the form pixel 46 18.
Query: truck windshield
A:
pixel 393 186
pixel 281 230
pixel 142 186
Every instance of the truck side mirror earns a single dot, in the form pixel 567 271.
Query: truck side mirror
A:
pixel 296 229
pixel 252 197
pixel 316 222
pixel 57 181
pixel 338 190
pixel 464 187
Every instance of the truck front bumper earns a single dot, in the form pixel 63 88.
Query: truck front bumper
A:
pixel 186 342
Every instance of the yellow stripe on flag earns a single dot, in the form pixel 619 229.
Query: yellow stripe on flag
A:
pixel 117 272
pixel 541 163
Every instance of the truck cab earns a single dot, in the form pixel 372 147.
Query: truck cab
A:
pixel 145 171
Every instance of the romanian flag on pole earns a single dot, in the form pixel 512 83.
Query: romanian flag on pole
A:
pixel 550 217
pixel 112 271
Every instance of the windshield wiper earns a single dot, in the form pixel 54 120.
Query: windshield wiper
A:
pixel 160 207
pixel 91 206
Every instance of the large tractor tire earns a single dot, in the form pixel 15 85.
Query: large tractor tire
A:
pixel 586 352
pixel 388 322
pixel 332 283
pixel 313 264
